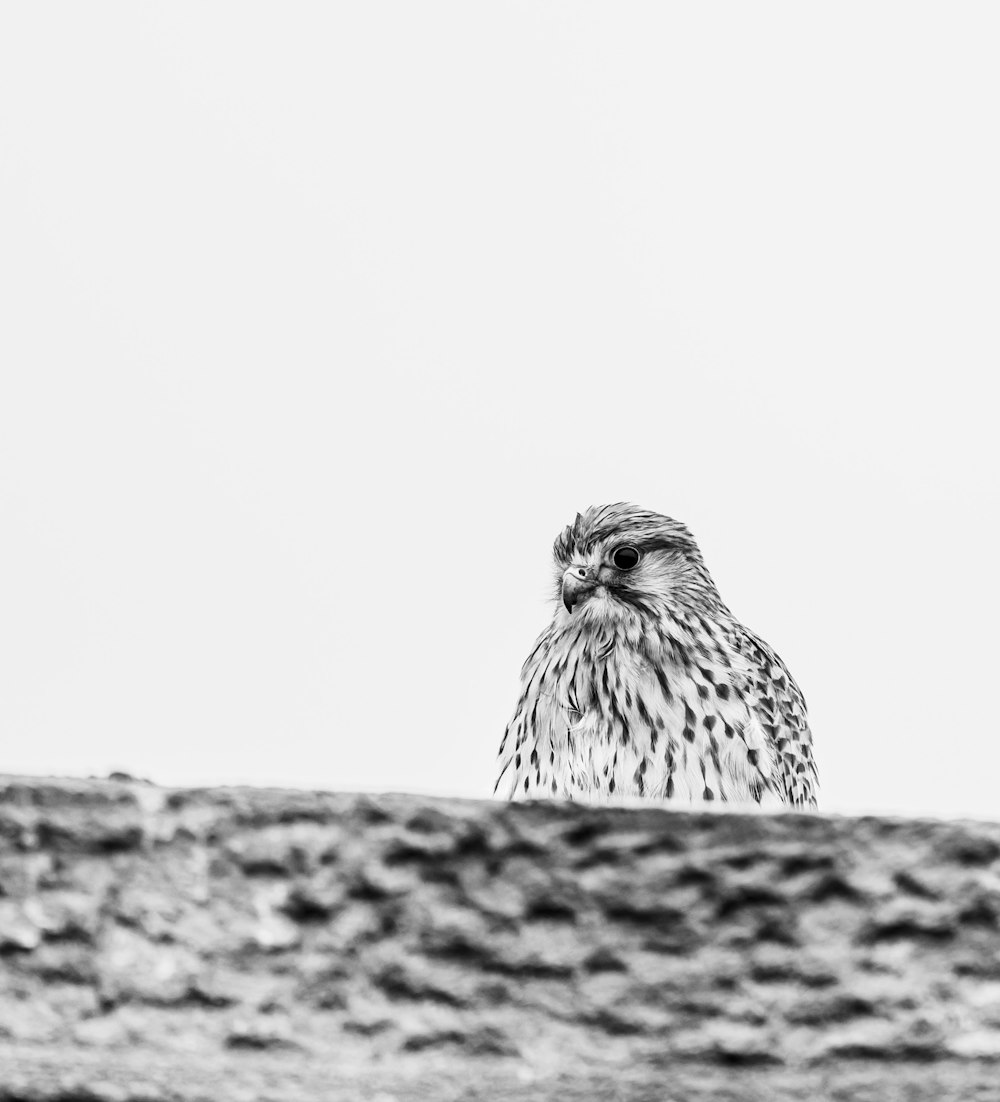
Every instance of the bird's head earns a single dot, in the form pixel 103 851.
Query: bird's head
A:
pixel 616 559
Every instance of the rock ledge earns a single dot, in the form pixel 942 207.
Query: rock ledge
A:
pixel 224 944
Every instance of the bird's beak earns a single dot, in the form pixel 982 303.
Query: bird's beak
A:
pixel 577 583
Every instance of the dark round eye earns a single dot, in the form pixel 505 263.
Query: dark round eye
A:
pixel 625 558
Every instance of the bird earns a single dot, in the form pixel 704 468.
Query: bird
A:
pixel 644 685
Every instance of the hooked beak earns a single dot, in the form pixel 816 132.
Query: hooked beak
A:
pixel 577 584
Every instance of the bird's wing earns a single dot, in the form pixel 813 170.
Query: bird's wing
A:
pixel 781 709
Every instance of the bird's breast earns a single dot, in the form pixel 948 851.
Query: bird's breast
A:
pixel 665 717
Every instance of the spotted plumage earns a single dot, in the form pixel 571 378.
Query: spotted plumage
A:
pixel 645 685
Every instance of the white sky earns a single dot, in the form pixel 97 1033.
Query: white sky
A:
pixel 318 322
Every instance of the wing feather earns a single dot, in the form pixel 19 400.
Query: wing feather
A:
pixel 781 709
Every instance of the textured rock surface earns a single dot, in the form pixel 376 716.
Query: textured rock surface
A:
pixel 258 944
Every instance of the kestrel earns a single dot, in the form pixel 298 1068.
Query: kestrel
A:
pixel 645 685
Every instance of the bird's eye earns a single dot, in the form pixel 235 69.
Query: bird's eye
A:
pixel 625 557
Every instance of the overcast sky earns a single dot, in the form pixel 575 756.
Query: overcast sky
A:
pixel 318 322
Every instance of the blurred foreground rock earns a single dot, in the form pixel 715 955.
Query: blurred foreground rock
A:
pixel 255 944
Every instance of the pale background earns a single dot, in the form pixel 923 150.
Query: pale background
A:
pixel 317 323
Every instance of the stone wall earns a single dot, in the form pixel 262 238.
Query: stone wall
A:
pixel 254 944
